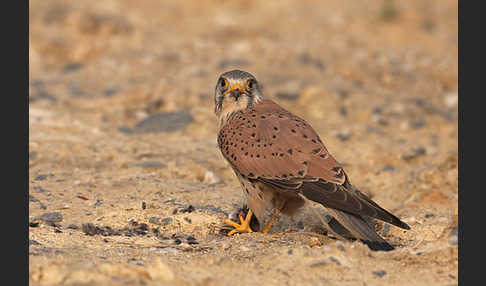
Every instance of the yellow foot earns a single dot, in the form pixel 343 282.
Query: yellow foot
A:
pixel 240 228
pixel 271 221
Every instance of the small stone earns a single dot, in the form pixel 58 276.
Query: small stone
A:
pixel 188 220
pixel 290 251
pixel 144 205
pixel 164 122
pixel 160 221
pixel 417 123
pixel 32 199
pixel 416 152
pixel 33 224
pixel 111 91
pixel 334 260
pixel 72 226
pixel 41 177
pixel 244 248
pixel 318 264
pixel 453 236
pixel 34 242
pixel 98 203
pixel 211 178
pixel 388 168
pixel 51 218
pixel 225 63
pixel 451 99
pixel 72 67
pixel 287 95
pixel 343 135
pixel 314 241
pixel 188 209
pixel 379 273
pixel 152 164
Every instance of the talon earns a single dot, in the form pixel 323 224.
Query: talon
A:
pixel 243 227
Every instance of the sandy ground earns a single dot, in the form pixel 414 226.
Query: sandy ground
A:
pixel 127 185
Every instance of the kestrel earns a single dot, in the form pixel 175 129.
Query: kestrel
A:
pixel 281 162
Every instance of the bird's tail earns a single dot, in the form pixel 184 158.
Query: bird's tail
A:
pixel 360 229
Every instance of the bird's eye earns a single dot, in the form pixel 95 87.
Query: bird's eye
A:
pixel 250 84
pixel 223 83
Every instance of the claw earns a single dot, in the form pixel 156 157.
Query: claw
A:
pixel 244 225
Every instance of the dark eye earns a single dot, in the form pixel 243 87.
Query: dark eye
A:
pixel 223 83
pixel 250 84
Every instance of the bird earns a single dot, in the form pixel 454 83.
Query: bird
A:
pixel 281 163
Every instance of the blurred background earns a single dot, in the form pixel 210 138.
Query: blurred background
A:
pixel 121 110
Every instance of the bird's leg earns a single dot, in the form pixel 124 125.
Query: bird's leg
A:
pixel 244 225
pixel 271 221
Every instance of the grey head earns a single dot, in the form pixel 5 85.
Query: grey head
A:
pixel 236 90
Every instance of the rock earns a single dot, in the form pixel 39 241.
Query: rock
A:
pixel 152 164
pixel 72 67
pixel 33 242
pixel 379 273
pixel 343 135
pixel 41 177
pixel 211 178
pixel 417 123
pixel 287 95
pixel 318 264
pixel 453 236
pixel 50 218
pixel 75 89
pixel 111 91
pixel 416 152
pixel 164 122
pixel 160 221
pixel 225 63
pixel 451 99
pixel 334 260
pixel 389 168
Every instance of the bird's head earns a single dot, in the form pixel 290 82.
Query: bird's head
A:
pixel 235 90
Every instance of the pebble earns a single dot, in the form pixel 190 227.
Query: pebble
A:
pixel 416 152
pixel 72 67
pixel 50 218
pixel 244 248
pixel 343 135
pixel 379 273
pixel 417 123
pixel 334 260
pixel 111 91
pixel 318 264
pixel 453 236
pixel 388 168
pixel 451 99
pixel 33 242
pixel 287 95
pixel 225 63
pixel 188 209
pixel 41 177
pixel 164 122
pixel 152 164
pixel 160 221
pixel 211 178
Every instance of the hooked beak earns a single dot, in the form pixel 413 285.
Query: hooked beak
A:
pixel 236 91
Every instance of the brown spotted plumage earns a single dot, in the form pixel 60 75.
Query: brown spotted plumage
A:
pixel 280 161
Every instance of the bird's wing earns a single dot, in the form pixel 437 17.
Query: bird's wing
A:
pixel 270 144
